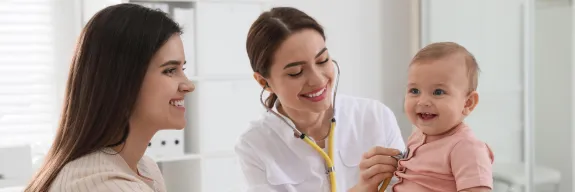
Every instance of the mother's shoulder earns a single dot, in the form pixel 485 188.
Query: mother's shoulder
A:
pixel 97 169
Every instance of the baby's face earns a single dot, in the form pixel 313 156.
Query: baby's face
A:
pixel 437 94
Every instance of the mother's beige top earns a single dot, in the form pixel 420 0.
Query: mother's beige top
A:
pixel 105 170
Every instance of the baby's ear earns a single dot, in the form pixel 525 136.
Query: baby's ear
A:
pixel 471 103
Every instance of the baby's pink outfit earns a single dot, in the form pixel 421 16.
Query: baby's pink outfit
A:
pixel 455 161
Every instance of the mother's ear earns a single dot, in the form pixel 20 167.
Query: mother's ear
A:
pixel 471 102
pixel 262 81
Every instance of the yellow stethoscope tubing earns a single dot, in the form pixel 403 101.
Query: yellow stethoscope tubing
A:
pixel 384 184
pixel 328 157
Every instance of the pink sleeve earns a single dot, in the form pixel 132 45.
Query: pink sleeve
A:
pixel 471 164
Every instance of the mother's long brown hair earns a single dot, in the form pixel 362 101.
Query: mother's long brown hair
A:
pixel 107 70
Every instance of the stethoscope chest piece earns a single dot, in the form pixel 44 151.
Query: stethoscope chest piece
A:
pixel 402 155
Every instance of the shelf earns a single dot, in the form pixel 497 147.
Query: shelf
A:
pixel 212 155
pixel 222 78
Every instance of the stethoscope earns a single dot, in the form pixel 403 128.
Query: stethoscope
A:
pixel 328 157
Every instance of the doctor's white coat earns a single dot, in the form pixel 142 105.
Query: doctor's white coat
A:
pixel 273 160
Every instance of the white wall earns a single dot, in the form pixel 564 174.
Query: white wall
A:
pixel 400 42
pixel 553 89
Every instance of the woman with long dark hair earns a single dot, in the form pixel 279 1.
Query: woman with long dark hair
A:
pixel 126 82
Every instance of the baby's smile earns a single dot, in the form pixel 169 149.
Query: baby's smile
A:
pixel 426 116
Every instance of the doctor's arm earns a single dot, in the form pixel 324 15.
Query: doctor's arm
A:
pixel 254 173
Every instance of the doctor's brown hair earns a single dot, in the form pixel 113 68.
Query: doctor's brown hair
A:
pixel 441 50
pixel 269 31
pixel 110 61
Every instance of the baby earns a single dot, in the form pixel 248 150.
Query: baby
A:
pixel 443 154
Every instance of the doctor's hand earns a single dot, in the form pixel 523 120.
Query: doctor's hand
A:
pixel 375 166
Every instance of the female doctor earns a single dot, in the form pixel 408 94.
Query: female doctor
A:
pixel 304 137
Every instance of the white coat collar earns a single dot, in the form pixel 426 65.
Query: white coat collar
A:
pixel 286 133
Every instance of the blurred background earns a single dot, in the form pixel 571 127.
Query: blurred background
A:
pixel 524 49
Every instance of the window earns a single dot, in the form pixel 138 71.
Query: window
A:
pixel 28 111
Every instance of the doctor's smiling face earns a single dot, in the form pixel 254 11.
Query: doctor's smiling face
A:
pixel 287 52
pixel 160 103
pixel 302 72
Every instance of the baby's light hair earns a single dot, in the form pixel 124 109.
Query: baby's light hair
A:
pixel 441 50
